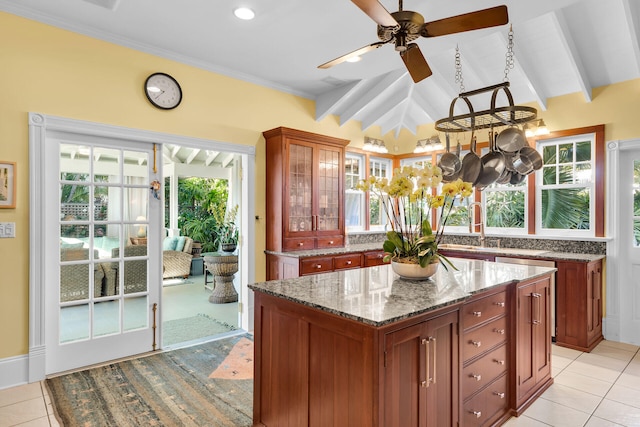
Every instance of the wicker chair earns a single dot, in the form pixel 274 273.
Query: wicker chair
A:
pixel 74 278
pixel 177 263
pixel 135 271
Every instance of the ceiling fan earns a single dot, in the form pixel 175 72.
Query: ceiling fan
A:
pixel 404 26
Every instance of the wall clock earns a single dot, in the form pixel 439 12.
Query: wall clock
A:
pixel 163 91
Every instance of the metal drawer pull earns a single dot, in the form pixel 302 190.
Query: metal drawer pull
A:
pixel 300 244
pixel 425 342
pixel 499 304
pixel 499 362
pixel 478 377
pixel 331 242
pixel 478 414
pixel 348 262
pixel 477 313
pixel 319 266
pixel 476 343
pixel 499 331
pixel 536 322
pixel 499 394
pixel 380 256
pixel 435 350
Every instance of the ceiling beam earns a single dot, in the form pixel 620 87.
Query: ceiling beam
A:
pixel 228 160
pixel 192 155
pixel 329 101
pixel 167 154
pixel 531 78
pixel 630 12
pixel 419 98
pixel 386 104
pixel 211 156
pixel 174 152
pixel 385 84
pixel 568 45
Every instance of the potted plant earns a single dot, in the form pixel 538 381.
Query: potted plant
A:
pixel 408 200
pixel 227 229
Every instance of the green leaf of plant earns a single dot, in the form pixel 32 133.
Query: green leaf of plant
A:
pixel 426 228
pixel 388 246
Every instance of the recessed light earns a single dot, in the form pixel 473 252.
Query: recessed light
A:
pixel 354 59
pixel 244 13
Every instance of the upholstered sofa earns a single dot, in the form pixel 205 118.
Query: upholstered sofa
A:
pixel 176 257
pixel 135 271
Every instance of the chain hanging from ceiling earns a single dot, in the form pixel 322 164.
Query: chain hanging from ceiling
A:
pixel 495 116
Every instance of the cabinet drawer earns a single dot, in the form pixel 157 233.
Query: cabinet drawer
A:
pixel 484 309
pixel 484 338
pixel 483 371
pixel 488 405
pixel 330 242
pixel 298 244
pixel 316 265
pixel 374 258
pixel 346 261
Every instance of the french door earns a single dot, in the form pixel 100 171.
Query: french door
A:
pixel 103 250
pixel 628 241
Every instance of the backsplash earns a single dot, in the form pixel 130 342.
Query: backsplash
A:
pixel 571 246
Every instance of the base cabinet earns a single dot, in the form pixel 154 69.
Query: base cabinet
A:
pixel 280 267
pixel 533 341
pixel 421 374
pixel 579 305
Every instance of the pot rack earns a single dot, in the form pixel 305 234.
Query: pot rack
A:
pixel 508 115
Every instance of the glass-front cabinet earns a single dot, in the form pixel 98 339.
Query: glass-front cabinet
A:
pixel 304 191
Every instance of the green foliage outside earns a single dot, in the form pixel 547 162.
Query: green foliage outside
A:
pixel 200 204
pixel 505 209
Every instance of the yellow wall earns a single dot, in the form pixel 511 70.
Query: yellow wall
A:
pixel 60 73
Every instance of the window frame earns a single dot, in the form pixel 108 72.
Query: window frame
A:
pixel 362 196
pixel 389 174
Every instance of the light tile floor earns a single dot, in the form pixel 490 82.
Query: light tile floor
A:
pixel 596 389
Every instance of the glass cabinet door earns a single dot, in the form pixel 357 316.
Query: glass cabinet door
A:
pixel 300 188
pixel 328 190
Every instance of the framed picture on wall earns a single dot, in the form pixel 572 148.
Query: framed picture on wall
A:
pixel 7 184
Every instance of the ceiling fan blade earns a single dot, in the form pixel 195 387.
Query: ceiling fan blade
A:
pixel 377 12
pixel 357 52
pixel 486 18
pixel 415 63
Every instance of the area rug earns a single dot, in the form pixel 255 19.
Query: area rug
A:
pixel 191 328
pixel 205 385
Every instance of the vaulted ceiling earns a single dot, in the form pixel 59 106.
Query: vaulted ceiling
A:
pixel 561 47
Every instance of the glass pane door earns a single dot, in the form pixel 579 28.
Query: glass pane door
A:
pixel 328 190
pixel 107 282
pixel 300 188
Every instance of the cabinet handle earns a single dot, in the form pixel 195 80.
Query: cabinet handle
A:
pixel 537 297
pixel 435 349
pixel 331 242
pixel 301 244
pixel 477 313
pixel 499 362
pixel 499 331
pixel 478 377
pixel 425 342
pixel 499 394
pixel 348 262
pixel 478 414
pixel 476 343
pixel 499 304
pixel 319 266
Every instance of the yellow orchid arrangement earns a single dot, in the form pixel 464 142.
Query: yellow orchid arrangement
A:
pixel 409 199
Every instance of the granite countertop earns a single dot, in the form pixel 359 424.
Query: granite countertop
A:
pixel 506 252
pixel 377 296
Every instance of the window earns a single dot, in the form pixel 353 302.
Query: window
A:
pixel 354 199
pixel 565 187
pixel 505 208
pixel 380 168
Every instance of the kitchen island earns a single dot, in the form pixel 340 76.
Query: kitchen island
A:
pixel 363 347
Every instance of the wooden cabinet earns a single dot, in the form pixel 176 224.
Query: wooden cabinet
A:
pixel 281 267
pixel 579 304
pixel 304 190
pixel 532 342
pixel 372 258
pixel 485 349
pixel 421 374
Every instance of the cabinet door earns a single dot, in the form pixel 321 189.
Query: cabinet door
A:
pixel 299 183
pixel 421 374
pixel 533 343
pixel 594 300
pixel 330 172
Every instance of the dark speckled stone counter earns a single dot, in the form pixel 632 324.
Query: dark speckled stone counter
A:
pixel 377 296
pixel 513 252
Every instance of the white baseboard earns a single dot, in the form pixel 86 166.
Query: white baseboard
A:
pixel 14 371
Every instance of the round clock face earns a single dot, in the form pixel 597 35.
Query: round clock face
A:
pixel 163 91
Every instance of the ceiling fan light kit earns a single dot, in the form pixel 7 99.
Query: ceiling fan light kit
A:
pixel 404 26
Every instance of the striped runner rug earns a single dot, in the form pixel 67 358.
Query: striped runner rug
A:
pixel 209 384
